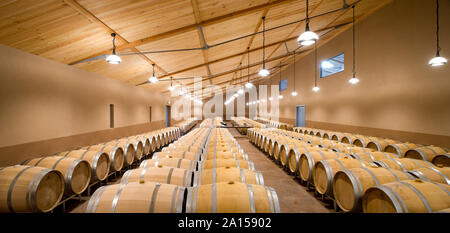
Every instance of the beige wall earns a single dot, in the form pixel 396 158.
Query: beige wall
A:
pixel 42 99
pixel 398 90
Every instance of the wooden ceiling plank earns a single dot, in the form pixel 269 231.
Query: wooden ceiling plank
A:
pixel 201 36
pixel 191 27
pixel 91 17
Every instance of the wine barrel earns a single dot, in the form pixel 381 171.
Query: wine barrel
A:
pixel 177 154
pixel 307 161
pixel 116 156
pixel 406 197
pixel 224 155
pixel 153 142
pixel 373 155
pixel 128 149
pixel 136 197
pixel 76 172
pixel 145 143
pixel 327 135
pixel 403 164
pixel 337 136
pixel 232 197
pixel 138 147
pixel 349 185
pixel 442 160
pixel 29 189
pixel 167 175
pixel 99 162
pixel 432 174
pixel 350 138
pixel 324 171
pixel 294 156
pixel 225 174
pixel 425 153
pixel 170 162
pixel 215 163
pixel 400 148
pixel 380 144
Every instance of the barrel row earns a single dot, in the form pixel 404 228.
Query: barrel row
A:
pixel 186 125
pixel 39 184
pixel 345 177
pixel 208 184
pixel 274 124
pixel 434 154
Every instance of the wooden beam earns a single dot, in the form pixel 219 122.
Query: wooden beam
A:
pixel 91 17
pixel 188 28
pixel 201 36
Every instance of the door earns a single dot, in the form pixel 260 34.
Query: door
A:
pixel 168 115
pixel 300 116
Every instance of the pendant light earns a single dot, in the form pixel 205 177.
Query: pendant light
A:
pixel 264 72
pixel 153 79
pixel 294 93
pixel 315 88
pixel 307 38
pixel 113 58
pixel 171 87
pixel 437 60
pixel 280 96
pixel 354 80
pixel 248 85
pixel 241 90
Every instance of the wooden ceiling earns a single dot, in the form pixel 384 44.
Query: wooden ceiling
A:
pixel 70 31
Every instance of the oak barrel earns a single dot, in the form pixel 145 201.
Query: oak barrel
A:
pixel 432 174
pixel 136 197
pixel 309 159
pixel 224 174
pixel 99 162
pixel 400 148
pixel 167 175
pixel 425 153
pixel 29 189
pixel 407 197
pixel 442 160
pixel 215 163
pixel 76 172
pixel 232 197
pixel 115 154
pixel 170 162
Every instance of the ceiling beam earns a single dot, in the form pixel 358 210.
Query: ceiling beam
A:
pixel 188 28
pixel 91 17
pixel 201 35
pixel 243 53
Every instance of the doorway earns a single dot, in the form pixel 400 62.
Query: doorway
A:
pixel 300 116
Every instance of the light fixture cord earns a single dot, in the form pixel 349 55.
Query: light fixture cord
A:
pixel 294 70
pixel 248 64
pixel 114 42
pixel 354 54
pixel 315 64
pixel 264 40
pixel 307 15
pixel 170 81
pixel 153 67
pixel 240 70
pixel 438 49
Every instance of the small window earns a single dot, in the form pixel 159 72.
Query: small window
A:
pixel 283 84
pixel 332 66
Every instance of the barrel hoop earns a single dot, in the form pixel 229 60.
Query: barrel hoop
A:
pixel 275 198
pixel 65 155
pixel 173 199
pixel 398 202
pixel 32 188
pixel 342 165
pixel 170 175
pixel 420 195
pixel 116 198
pixel 69 172
pixel 189 182
pixel 400 164
pixel 416 162
pixel 261 179
pixel 358 191
pixel 419 174
pixel 98 194
pixel 153 198
pixel 189 199
pixel 252 200
pixel 395 175
pixel 329 172
pixel 441 174
pixel 94 162
pixel 321 154
pixel 36 164
pixel 252 165
pixel 194 204
pixel 374 177
pixel 242 175
pixel 311 163
pixel 269 196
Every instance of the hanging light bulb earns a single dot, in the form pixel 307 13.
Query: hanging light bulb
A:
pixel 271 98
pixel 171 88
pixel 294 93
pixel 353 80
pixel 315 88
pixel 263 100
pixel 153 78
pixel 264 72
pixel 280 97
pixel 113 58
pixel 308 37
pixel 241 91
pixel 437 60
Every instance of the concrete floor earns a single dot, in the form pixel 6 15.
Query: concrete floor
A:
pixel 293 197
